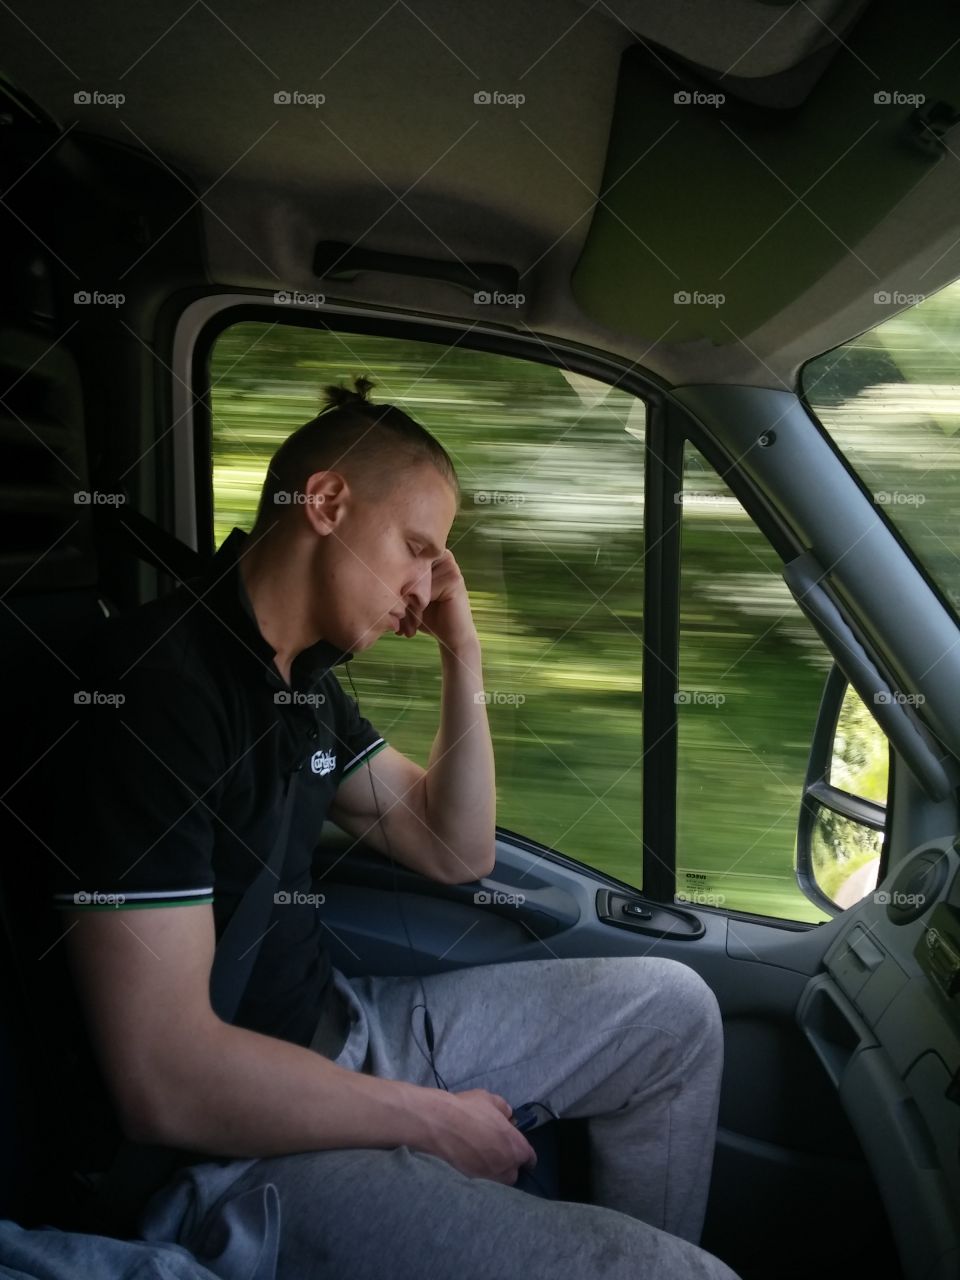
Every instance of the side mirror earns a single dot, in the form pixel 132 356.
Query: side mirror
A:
pixel 843 813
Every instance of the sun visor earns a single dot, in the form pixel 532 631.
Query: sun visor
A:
pixel 717 209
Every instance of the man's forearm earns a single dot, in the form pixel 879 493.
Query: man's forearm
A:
pixel 460 786
pixel 236 1092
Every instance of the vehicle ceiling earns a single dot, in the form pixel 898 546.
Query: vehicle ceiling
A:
pixel 798 199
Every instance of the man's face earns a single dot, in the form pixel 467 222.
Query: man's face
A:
pixel 378 561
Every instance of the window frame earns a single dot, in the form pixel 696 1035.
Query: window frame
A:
pixel 667 423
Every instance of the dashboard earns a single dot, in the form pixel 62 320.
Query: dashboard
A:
pixel 884 1020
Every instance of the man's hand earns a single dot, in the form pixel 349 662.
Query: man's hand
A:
pixel 447 616
pixel 472 1131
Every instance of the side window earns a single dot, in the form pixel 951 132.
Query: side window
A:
pixel 550 540
pixel 751 676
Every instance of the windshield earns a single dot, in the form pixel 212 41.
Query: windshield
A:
pixel 890 399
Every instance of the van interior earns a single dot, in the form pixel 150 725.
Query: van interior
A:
pixel 646 265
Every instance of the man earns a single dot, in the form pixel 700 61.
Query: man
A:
pixel 197 712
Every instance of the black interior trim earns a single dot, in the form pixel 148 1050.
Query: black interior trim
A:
pixel 663 480
pixel 855 808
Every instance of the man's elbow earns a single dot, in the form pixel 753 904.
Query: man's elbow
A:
pixel 159 1102
pixel 165 1122
pixel 142 1126
pixel 462 868
pixel 142 1117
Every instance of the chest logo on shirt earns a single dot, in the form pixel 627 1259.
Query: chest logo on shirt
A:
pixel 323 762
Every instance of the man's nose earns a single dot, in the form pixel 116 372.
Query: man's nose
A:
pixel 419 592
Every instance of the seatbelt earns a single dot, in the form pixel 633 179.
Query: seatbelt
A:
pixel 148 541
pixel 140 1169
pixel 239 945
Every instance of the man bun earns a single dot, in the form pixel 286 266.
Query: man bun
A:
pixel 337 396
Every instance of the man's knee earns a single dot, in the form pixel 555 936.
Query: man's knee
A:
pixel 638 975
pixel 669 992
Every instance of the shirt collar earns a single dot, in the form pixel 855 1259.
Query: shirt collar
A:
pixel 234 606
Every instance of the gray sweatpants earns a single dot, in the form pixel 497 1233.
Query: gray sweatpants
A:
pixel 633 1044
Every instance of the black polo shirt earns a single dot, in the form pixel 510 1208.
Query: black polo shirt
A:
pixel 170 776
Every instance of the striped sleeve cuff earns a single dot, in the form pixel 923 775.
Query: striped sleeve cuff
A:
pixel 362 756
pixel 98 900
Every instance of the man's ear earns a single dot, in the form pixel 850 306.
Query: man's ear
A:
pixel 325 498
